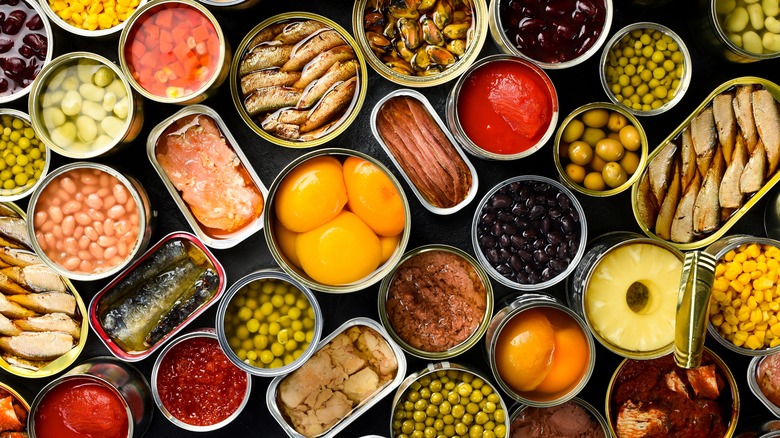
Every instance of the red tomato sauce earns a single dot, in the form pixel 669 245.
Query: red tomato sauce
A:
pixel 505 107
pixel 198 384
pixel 81 408
pixel 172 50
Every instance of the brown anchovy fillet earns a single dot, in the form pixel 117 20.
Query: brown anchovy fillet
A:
pixel 322 62
pixel 331 104
pixel 729 194
pixel 682 224
pixel 266 34
pixel 294 32
pixel 726 122
pixel 706 211
pixel 271 99
pixel 338 72
pixel 264 56
pixel 663 223
pixel 307 49
pixel 743 110
pixel 705 139
pixel 659 171
pixel 647 205
pixel 752 178
pixel 267 78
pixel 767 119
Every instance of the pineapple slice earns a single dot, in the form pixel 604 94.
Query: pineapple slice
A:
pixel 631 298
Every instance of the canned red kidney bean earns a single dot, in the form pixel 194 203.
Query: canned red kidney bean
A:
pixel 23 45
pixel 86 221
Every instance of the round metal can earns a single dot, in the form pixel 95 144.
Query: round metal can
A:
pixel 594 413
pixel 455 373
pixel 476 36
pixel 472 339
pixel 559 143
pixel 728 395
pixel 576 248
pixel 707 28
pixel 687 65
pixel 98 33
pixel 273 241
pixel 506 45
pixel 237 288
pixel 327 131
pixel 21 192
pixel 516 304
pixel 454 119
pixel 577 286
pixel 49 86
pixel 204 334
pixel 135 190
pixel 217 75
pixel 122 379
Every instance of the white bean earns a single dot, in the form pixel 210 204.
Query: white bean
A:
pixel 116 212
pixel 87 128
pixel 120 193
pixel 94 201
pixel 756 13
pixel 121 108
pixel 71 103
pixel 772 24
pixel 71 83
pixel 53 117
pixel 109 100
pixel 771 7
pixel 771 42
pixel 84 241
pixel 71 207
pixel 101 142
pixel 737 20
pixel 752 42
pixel 723 7
pixel 56 79
pixel 118 89
pixel 93 109
pixel 751 1
pixel 92 92
pixel 85 69
pixel 68 184
pixel 113 126
pixel 52 98
pixel 71 263
pixel 64 135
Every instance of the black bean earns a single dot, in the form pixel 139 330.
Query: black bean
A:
pixel 516 263
pixel 530 201
pixel 519 210
pixel 538 244
pixel 524 193
pixel 531 234
pixel 487 241
pixel 522 278
pixel 534 278
pixel 504 216
pixel 515 186
pixel 537 211
pixel 573 245
pixel 501 201
pixel 554 212
pixel 547 274
pixel 521 223
pixel 504 269
pixel 544 225
pixel 504 255
pixel 551 250
pixel 492 256
pixel 567 224
pixel 525 255
pixel 563 251
pixel 496 229
pixel 509 228
pixel 488 218
pixel 518 241
pixel 504 241
pixel 559 265
pixel 563 201
pixel 542 187
pixel 554 238
pixel 540 256
pixel 575 215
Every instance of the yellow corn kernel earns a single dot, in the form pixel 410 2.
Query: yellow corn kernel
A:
pixel 720 284
pixel 730 255
pixel 772 275
pixel 774 342
pixel 741 257
pixel 124 3
pixel 733 320
pixel 761 266
pixel 717 320
pixel 738 342
pixel 120 9
pixel 740 335
pixel 756 274
pixel 104 21
pixel 726 329
pixel 77 19
pixel 745 294
pixel 753 343
pixel 736 285
pixel 134 3
pixel 718 296
pixel 768 295
pixel 749 266
pixel 720 268
pixel 58 6
pixel 753 250
pixel 736 304
pixel 771 251
pixel 751 303
pixel 83 2
pixel 774 306
pixel 762 326
pixel 759 296
pixel 762 283
pixel 714 308
pixel 744 278
pixel 746 326
pixel 77 7
pixel 732 271
pixel 65 14
pixel 756 316
pixel 773 264
pixel 95 9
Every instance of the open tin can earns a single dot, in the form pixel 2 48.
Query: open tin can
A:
pixel 234 196
pixel 708 26
pixel 118 381
pixel 121 313
pixel 391 372
pixel 597 419
pixel 756 382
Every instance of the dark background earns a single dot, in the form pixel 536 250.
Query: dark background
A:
pixel 575 86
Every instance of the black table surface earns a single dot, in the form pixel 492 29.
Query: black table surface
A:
pixel 575 86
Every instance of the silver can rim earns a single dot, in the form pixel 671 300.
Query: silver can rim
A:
pixel 26 192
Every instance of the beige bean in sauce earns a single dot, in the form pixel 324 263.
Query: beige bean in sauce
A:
pixel 86 221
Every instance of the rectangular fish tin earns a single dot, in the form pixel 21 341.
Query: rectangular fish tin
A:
pixel 208 236
pixel 707 239
pixel 474 179
pixel 270 395
pixel 95 309
pixel 752 379
pixel 67 359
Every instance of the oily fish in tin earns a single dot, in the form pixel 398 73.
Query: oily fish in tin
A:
pixel 298 79
pixel 39 318
pixel 724 156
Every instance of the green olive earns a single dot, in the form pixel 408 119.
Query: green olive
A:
pixel 616 121
pixel 630 162
pixel 580 153
pixel 610 149
pixel 592 136
pixel 630 138
pixel 614 175
pixel 595 118
pixel 572 131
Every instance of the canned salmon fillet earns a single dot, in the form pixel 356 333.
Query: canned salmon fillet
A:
pixel 714 167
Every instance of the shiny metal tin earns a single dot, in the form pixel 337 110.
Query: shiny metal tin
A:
pixel 271 393
pixel 483 261
pixel 298 274
pixel 685 81
pixel 202 333
pixel 516 304
pixel 505 45
pixel 123 379
pixel 477 38
pixel 519 408
pixel 357 101
pixel 68 358
pixel 732 385
pixel 752 379
pixel 135 114
pixel 145 217
pixel 23 193
pixel 768 184
pixel 231 293
pixel 475 337
pixel 432 368
pixel 209 88
pixel 707 28
pixel 102 34
pixel 580 279
pixel 563 176
pixel 47 29
pixel 474 178
pixel 207 236
pixel 453 118
pixel 95 306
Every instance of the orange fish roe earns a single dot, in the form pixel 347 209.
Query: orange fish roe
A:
pixel 172 50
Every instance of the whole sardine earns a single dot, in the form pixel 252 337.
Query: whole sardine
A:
pixel 47 302
pixel 331 104
pixel 53 322
pixel 337 73
pixel 38 278
pixel 297 31
pixel 271 99
pixel 322 62
pixel 767 117
pixel 267 78
pixel 15 228
pixel 37 345
pixel 306 50
pixel 265 56
pixel 197 295
pixel 133 318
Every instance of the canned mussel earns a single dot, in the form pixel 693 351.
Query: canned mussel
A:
pixel 157 296
pixel 658 396
pixel 714 167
